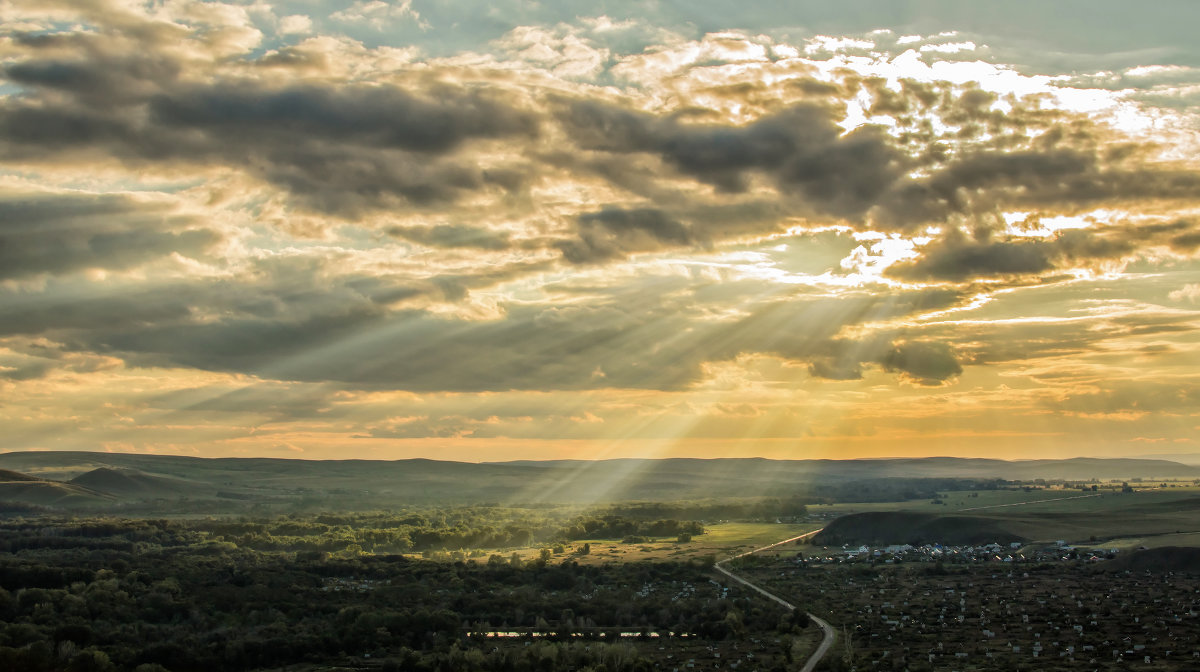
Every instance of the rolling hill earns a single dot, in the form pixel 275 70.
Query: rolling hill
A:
pixel 24 489
pixel 380 483
pixel 133 484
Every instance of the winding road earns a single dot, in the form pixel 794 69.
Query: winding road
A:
pixel 829 634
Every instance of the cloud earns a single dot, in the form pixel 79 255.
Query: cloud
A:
pixel 379 14
pixel 295 24
pixel 292 325
pixel 279 401
pixel 60 233
pixel 339 149
pixel 958 257
pixel 388 205
pixel 453 236
pixel 802 149
pixel 615 233
pixel 1141 395
pixel 925 363
pixel 832 369
pixel 1189 292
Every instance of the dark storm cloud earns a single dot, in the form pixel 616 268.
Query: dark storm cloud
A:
pixel 31 371
pixel 63 233
pixel 350 149
pixel 1027 157
pixel 802 148
pixel 70 311
pixel 340 149
pixel 99 81
pixel 976 182
pixel 615 233
pixel 1187 242
pixel 343 151
pixel 1058 177
pixel 453 236
pixel 927 363
pixel 958 257
pixel 434 123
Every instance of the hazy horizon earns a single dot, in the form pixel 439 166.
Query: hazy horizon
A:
pixel 485 233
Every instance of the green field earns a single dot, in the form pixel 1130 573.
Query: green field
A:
pixel 1063 501
pixel 719 539
pixel 1187 539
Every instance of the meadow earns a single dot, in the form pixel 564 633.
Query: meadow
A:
pixel 720 540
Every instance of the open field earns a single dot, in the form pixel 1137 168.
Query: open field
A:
pixel 1063 500
pixel 1187 539
pixel 719 539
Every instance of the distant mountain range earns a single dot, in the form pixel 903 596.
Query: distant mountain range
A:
pixel 81 479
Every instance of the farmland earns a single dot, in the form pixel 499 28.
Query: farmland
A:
pixel 424 582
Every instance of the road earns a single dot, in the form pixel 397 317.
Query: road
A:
pixel 830 635
pixel 826 644
pixel 1036 501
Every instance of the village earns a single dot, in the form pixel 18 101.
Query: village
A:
pixel 1017 552
pixel 1053 612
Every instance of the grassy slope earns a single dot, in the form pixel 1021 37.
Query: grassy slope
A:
pixel 1142 515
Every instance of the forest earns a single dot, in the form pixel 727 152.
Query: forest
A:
pixel 149 595
pixel 407 529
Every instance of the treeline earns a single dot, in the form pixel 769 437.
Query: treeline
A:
pixel 435 529
pixel 896 489
pixel 183 603
pixel 619 527
pixel 350 533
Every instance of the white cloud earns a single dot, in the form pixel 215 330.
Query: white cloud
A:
pixel 950 48
pixel 379 14
pixel 296 24
pixel 1189 293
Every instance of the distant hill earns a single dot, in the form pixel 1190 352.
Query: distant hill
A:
pixel 133 483
pixel 1165 559
pixel 9 476
pixel 19 491
pixel 903 527
pixel 317 483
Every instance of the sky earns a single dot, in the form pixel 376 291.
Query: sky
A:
pixel 519 230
